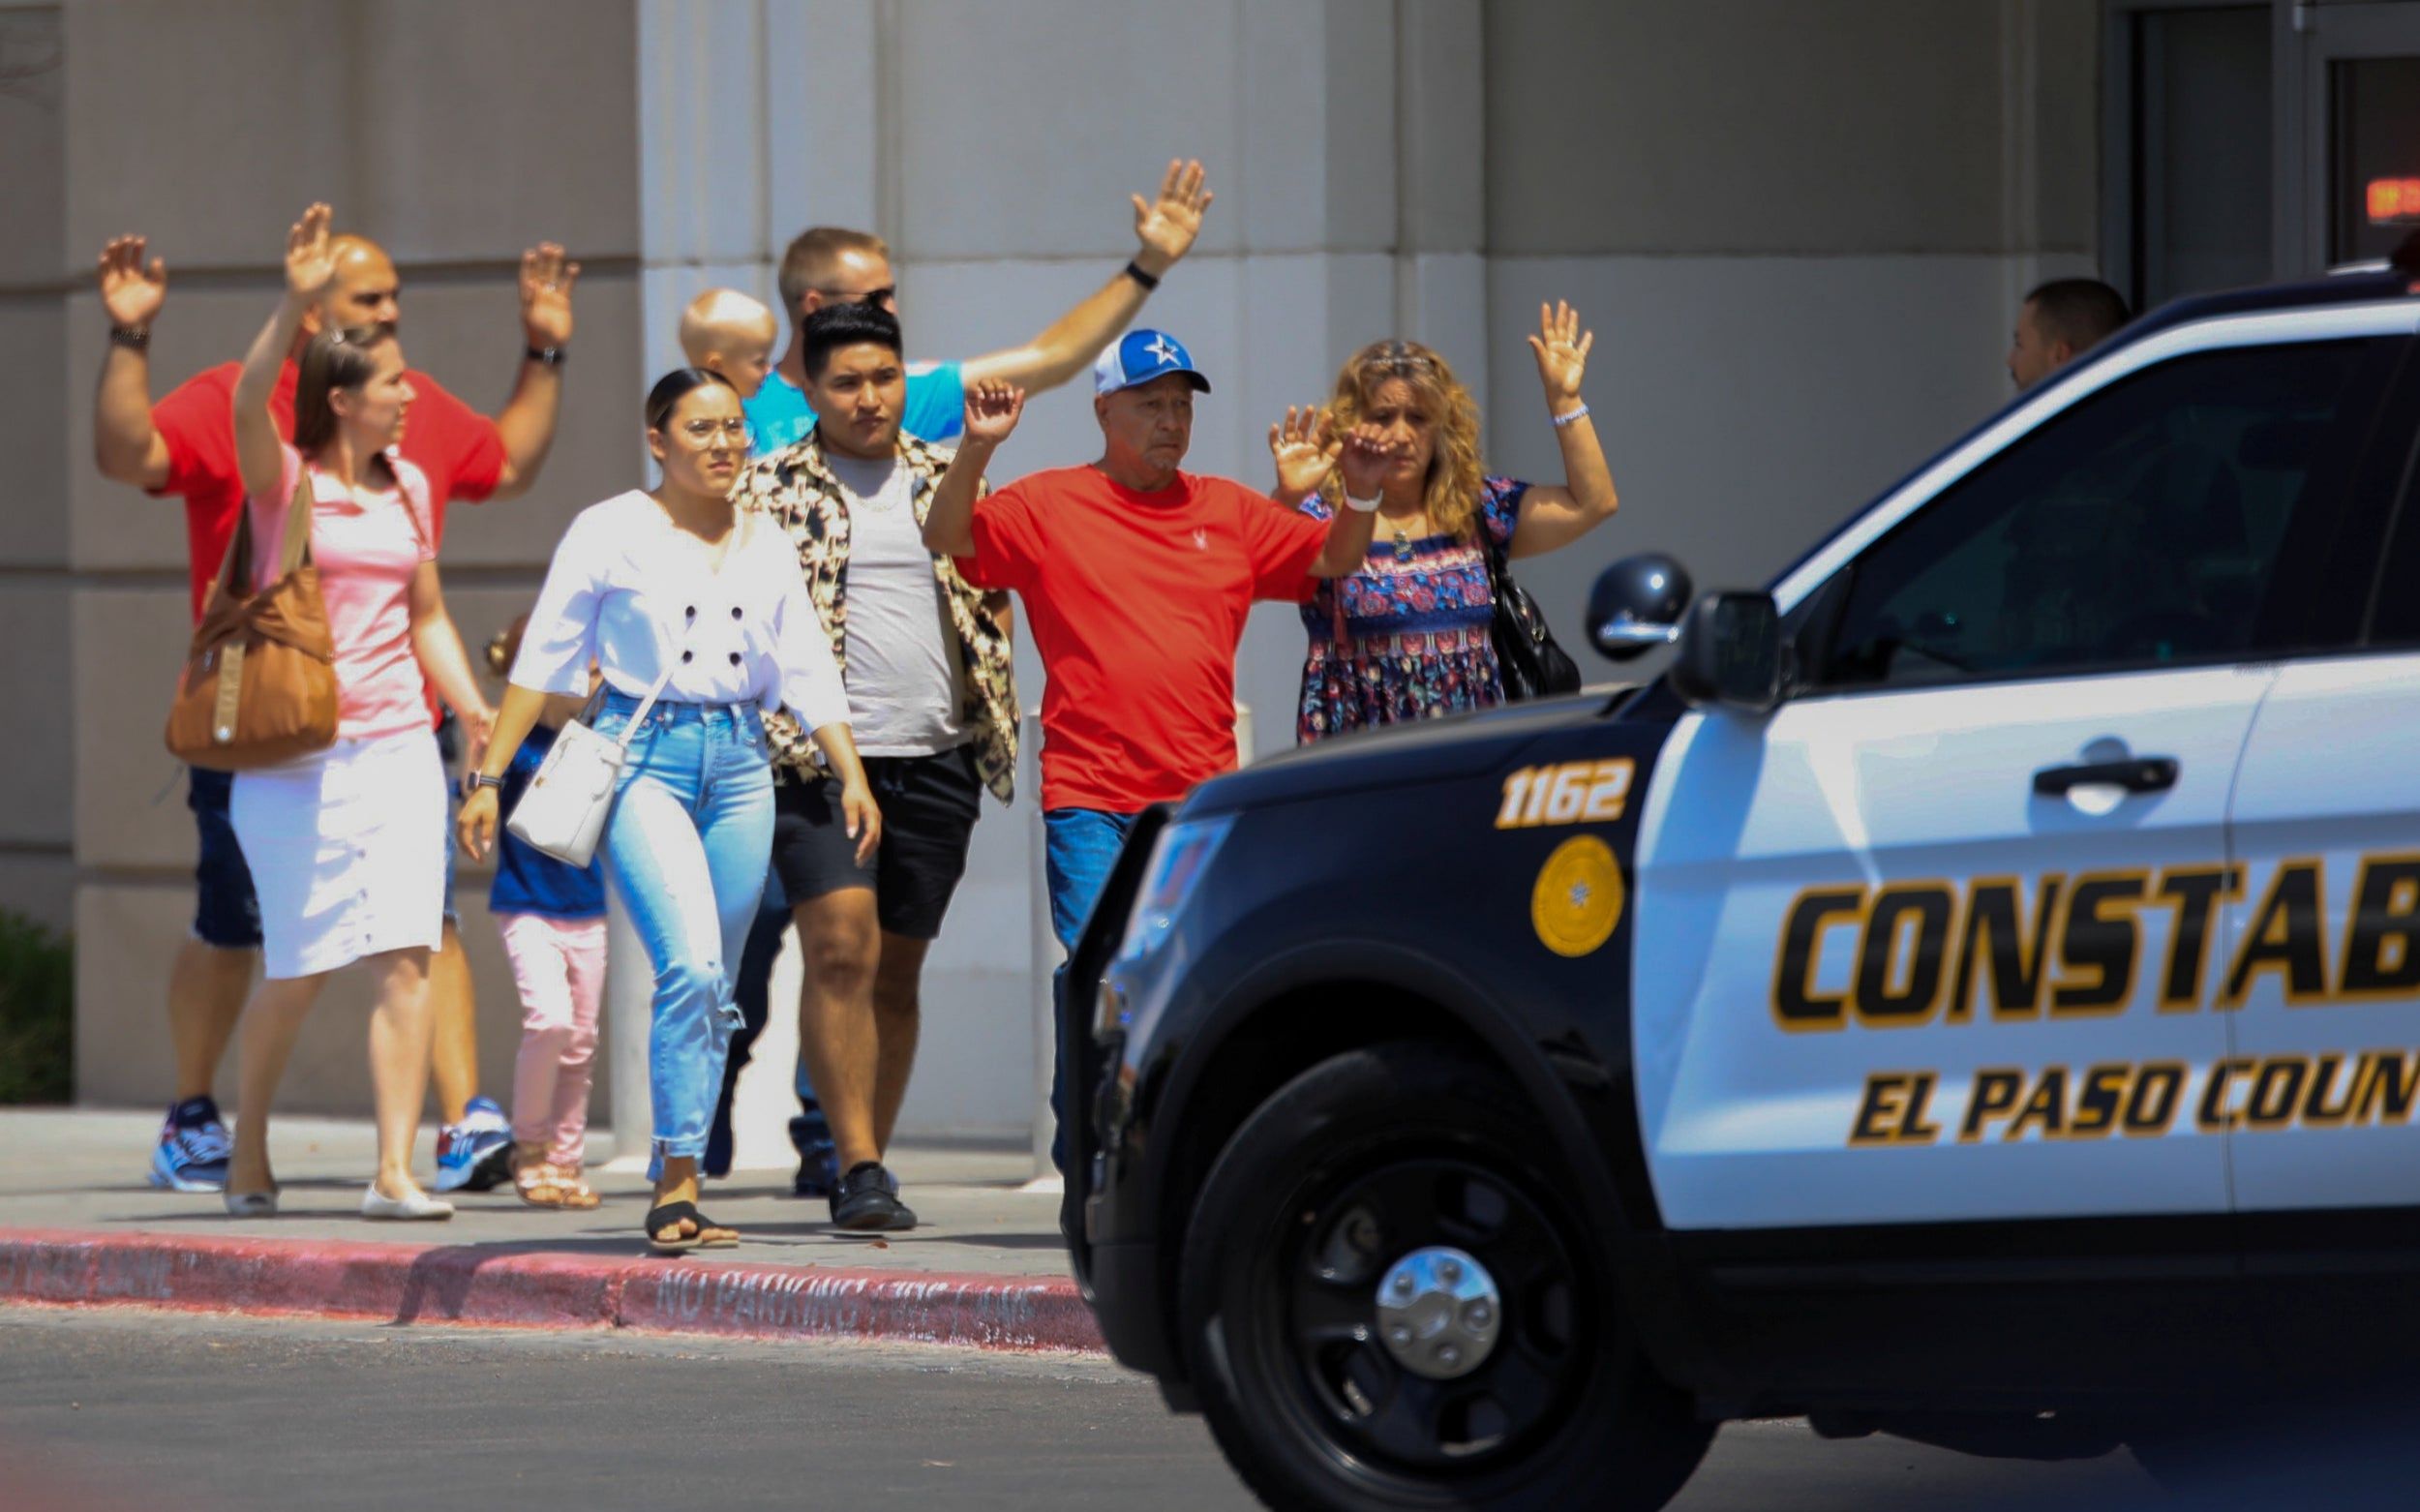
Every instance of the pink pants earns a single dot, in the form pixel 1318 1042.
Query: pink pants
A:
pixel 560 967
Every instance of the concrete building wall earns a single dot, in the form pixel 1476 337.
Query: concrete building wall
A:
pixel 36 837
pixel 1801 235
pixel 1800 232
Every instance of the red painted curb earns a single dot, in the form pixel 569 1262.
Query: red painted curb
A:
pixel 498 1287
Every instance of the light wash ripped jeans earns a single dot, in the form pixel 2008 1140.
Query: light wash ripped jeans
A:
pixel 685 849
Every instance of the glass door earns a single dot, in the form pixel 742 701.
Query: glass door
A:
pixel 2354 182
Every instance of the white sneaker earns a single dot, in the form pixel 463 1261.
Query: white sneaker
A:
pixel 414 1206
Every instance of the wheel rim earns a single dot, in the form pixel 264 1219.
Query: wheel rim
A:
pixel 1393 1402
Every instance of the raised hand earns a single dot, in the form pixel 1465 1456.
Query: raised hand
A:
pixel 546 279
pixel 992 411
pixel 130 292
pixel 1562 348
pixel 1305 445
pixel 1367 455
pixel 1167 226
pixel 310 256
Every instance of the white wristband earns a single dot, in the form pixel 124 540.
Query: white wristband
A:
pixel 1573 418
pixel 1365 506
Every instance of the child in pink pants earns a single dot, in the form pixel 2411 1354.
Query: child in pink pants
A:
pixel 553 918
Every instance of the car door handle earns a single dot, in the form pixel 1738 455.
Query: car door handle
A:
pixel 2142 774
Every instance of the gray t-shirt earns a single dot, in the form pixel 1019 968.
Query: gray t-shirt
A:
pixel 906 683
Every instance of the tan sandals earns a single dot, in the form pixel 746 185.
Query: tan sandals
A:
pixel 545 1184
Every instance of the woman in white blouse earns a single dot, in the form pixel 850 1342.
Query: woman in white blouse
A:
pixel 677 584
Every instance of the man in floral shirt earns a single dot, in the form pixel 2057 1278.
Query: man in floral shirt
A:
pixel 927 661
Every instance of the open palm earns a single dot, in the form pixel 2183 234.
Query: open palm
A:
pixel 310 254
pixel 1562 348
pixel 132 290
pixel 1304 445
pixel 1168 226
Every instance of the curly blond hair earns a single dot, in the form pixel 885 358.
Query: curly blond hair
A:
pixel 1452 495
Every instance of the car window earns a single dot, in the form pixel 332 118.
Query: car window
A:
pixel 2173 517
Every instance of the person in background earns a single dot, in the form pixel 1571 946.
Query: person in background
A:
pixel 827 265
pixel 1137 578
pixel 2060 322
pixel 724 331
pixel 182 447
pixel 346 843
pixel 1407 637
pixel 696 619
pixel 552 917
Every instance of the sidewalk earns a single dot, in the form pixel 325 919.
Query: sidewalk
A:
pixel 985 1267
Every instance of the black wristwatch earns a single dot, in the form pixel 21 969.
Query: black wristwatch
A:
pixel 547 356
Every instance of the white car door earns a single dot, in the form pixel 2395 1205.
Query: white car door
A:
pixel 1937 939
pixel 2322 973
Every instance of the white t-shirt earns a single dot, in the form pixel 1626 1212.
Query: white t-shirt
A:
pixel 906 681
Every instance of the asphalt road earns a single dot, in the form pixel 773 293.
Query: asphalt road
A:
pixel 121 1410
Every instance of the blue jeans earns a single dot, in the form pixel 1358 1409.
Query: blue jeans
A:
pixel 685 849
pixel 1080 846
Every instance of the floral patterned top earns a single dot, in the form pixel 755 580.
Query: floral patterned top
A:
pixel 798 490
pixel 1405 637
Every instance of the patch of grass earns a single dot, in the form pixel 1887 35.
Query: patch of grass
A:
pixel 37 1012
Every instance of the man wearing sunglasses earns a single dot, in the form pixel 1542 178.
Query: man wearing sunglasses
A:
pixel 828 265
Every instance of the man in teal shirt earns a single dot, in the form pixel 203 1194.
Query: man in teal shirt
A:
pixel 831 266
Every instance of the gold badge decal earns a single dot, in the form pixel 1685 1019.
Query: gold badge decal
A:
pixel 1578 897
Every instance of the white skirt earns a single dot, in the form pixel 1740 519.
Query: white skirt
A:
pixel 348 851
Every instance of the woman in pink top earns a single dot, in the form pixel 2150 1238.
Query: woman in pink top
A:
pixel 346 846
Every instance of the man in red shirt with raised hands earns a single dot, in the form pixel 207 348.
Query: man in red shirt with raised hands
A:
pixel 1137 579
pixel 185 445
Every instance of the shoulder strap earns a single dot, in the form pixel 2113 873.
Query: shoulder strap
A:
pixel 415 501
pixel 297 522
pixel 663 679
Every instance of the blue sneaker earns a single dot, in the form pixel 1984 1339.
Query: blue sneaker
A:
pixel 819 1171
pixel 477 1153
pixel 193 1150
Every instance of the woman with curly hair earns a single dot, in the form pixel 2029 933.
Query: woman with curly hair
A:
pixel 1407 637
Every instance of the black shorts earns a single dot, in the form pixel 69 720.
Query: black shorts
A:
pixel 928 806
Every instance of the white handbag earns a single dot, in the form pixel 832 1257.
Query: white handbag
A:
pixel 562 811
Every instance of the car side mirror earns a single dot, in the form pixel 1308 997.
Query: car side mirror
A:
pixel 1636 604
pixel 1731 654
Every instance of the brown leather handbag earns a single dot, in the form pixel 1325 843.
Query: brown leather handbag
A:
pixel 260 684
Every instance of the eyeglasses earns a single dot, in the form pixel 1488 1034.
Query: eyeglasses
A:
pixel 1398 356
pixel 704 432
pixel 871 297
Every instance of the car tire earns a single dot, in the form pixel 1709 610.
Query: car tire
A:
pixel 1360 1169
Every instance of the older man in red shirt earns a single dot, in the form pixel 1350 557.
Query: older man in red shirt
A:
pixel 185 447
pixel 1137 578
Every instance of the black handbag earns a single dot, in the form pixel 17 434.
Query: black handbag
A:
pixel 1527 657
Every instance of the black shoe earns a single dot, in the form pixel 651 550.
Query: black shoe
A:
pixel 867 1202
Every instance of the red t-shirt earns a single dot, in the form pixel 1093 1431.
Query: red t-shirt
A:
pixel 1137 601
pixel 453 445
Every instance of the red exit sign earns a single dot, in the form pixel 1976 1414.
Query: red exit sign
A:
pixel 2394 202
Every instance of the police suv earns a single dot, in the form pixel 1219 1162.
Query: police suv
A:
pixel 1974 993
